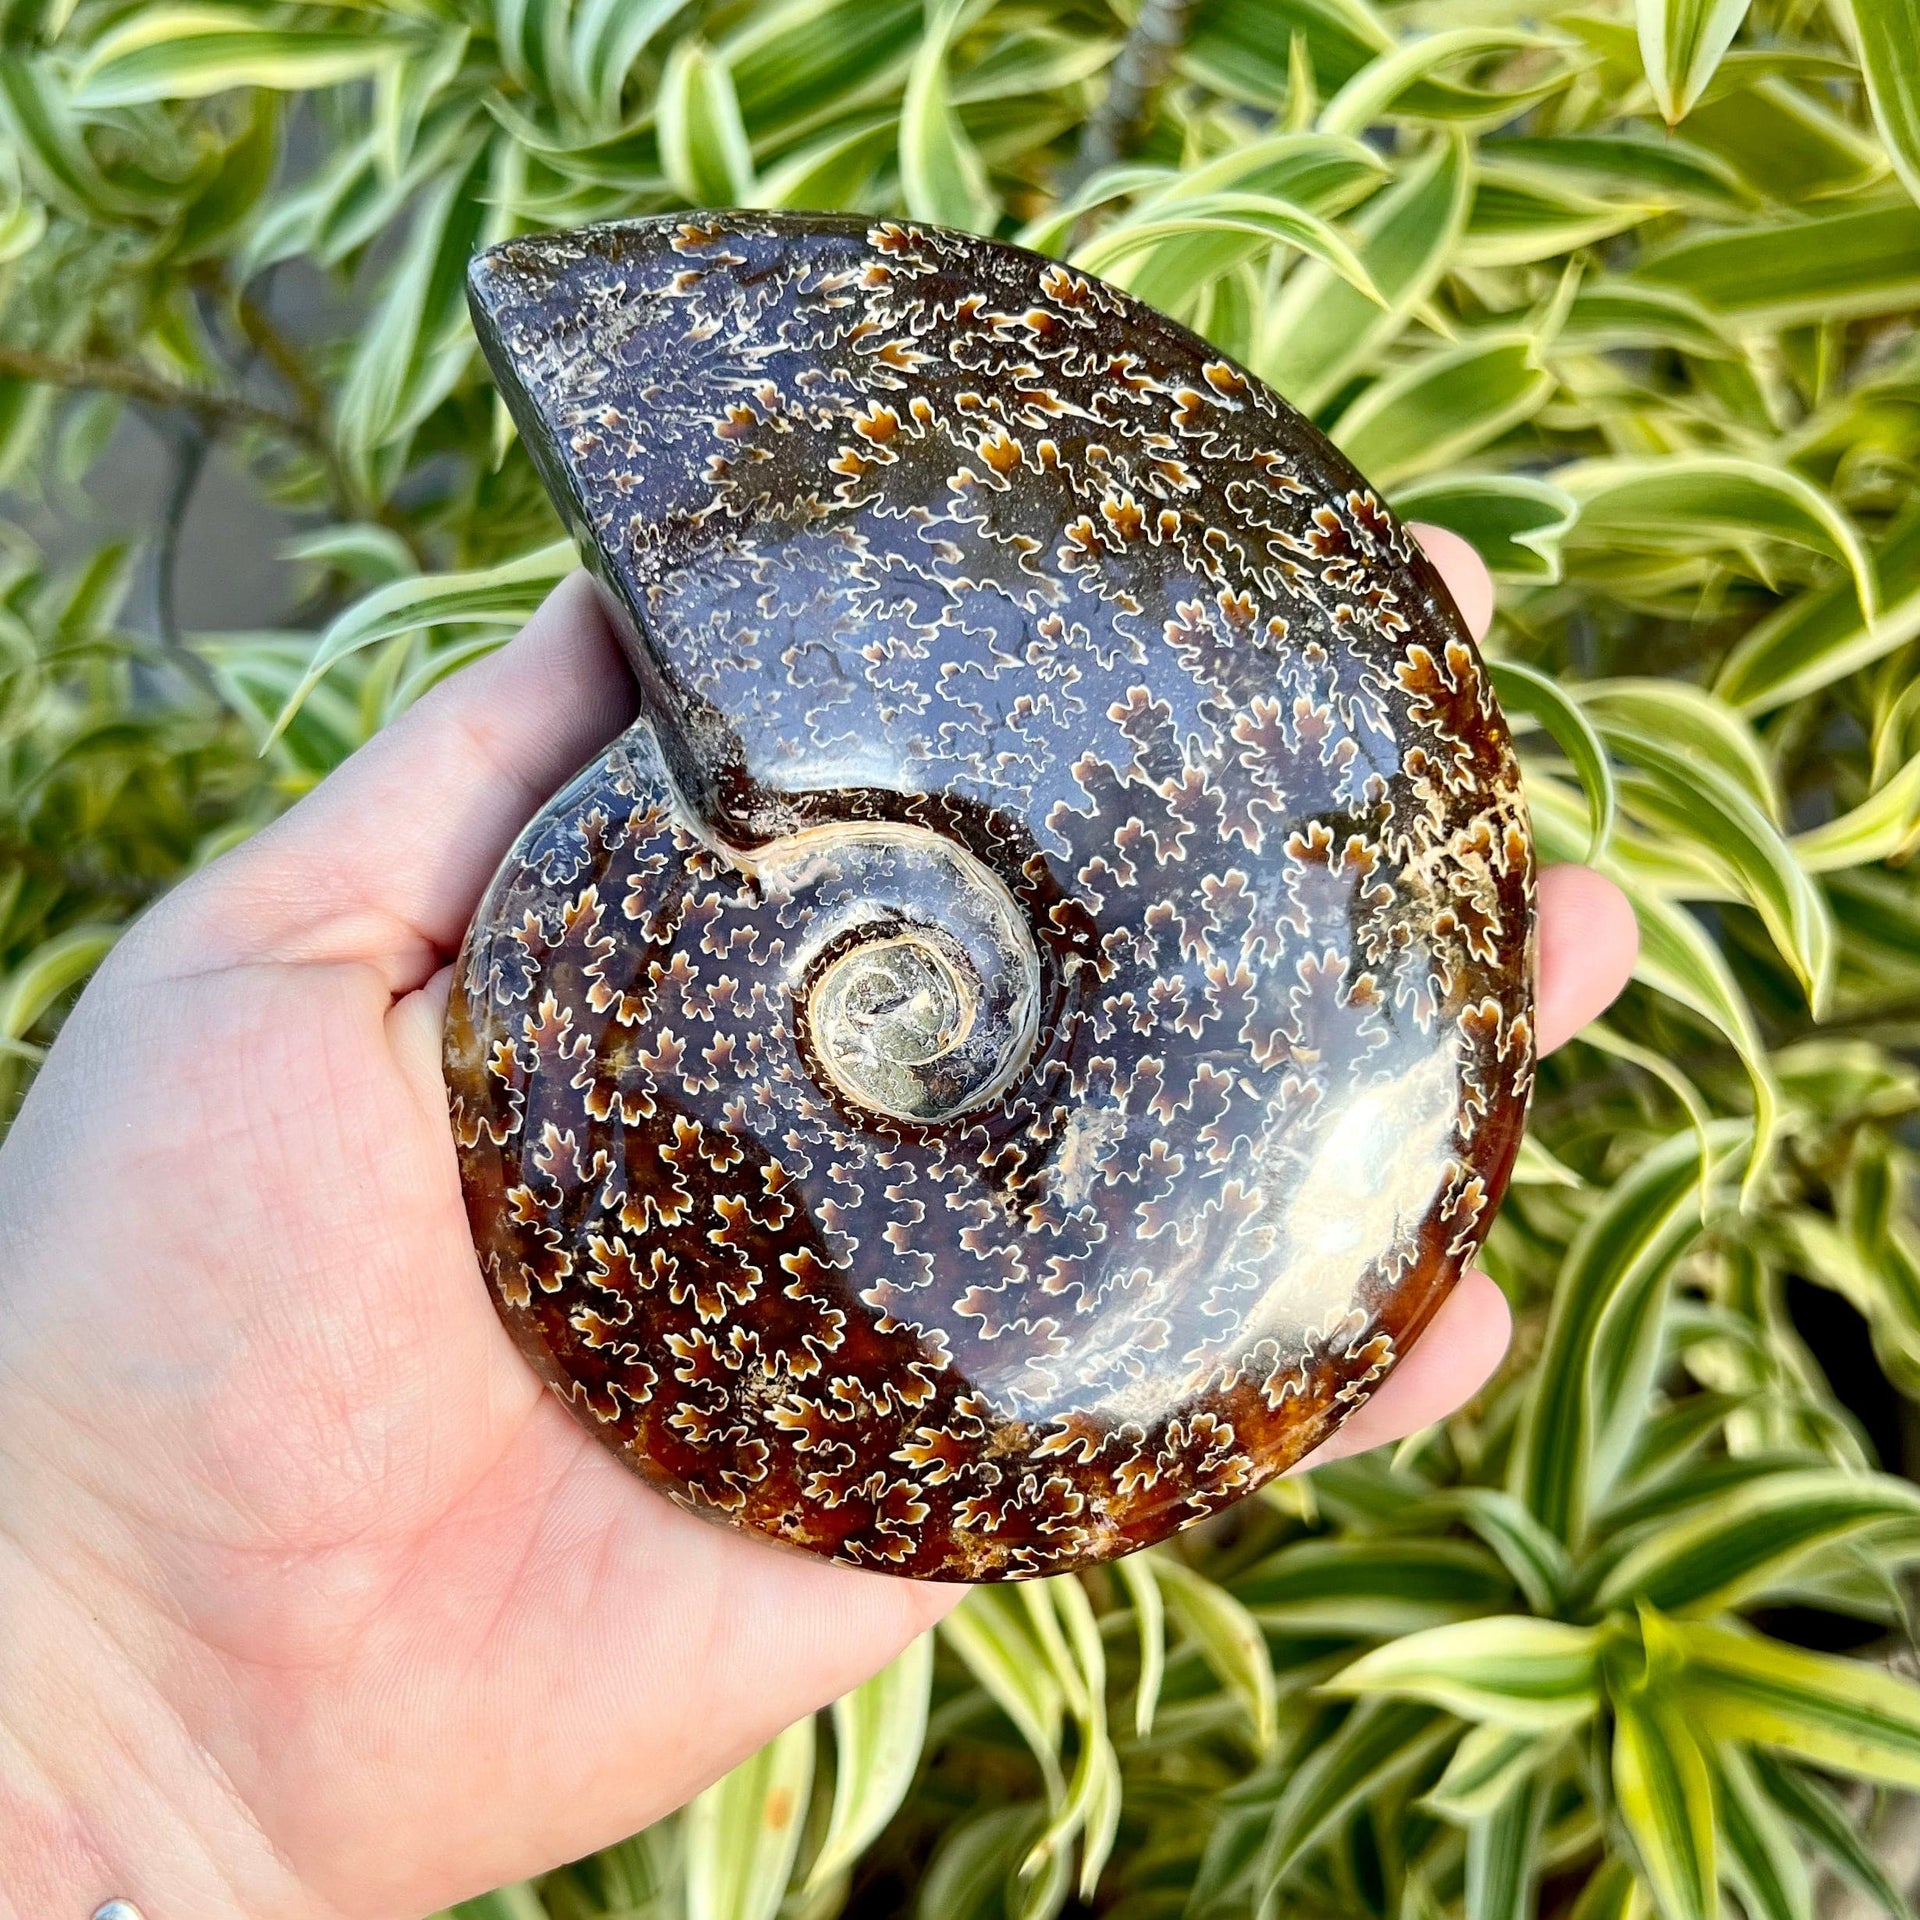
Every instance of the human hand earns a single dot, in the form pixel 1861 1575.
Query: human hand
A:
pixel 312 1601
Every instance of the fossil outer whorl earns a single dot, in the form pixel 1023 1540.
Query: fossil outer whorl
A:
pixel 1017 1039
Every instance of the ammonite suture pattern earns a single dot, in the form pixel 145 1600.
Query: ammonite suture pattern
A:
pixel 1014 1042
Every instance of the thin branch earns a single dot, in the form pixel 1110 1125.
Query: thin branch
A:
pixel 190 443
pixel 264 336
pixel 83 373
pixel 140 383
pixel 1139 71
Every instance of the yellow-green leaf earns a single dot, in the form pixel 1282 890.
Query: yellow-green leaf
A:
pixel 1681 42
pixel 703 140
pixel 1849 1716
pixel 878 1731
pixel 1664 1790
pixel 1526 691
pixel 941 173
pixel 185 53
pixel 742 1833
pixel 1228 1637
pixel 1508 1671
pixel 1442 407
pixel 502 595
pixel 1682 500
pixel 1888 33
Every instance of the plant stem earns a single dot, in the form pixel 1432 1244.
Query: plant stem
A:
pixel 1139 69
pixel 140 383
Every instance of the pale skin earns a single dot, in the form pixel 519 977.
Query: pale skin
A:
pixel 314 1605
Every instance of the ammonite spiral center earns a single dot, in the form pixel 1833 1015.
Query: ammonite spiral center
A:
pixel 885 1015
pixel 1028 1024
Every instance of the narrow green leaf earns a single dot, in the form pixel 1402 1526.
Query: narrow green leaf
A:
pixel 1374 91
pixel 185 53
pixel 989 1633
pixel 1503 1853
pixel 703 140
pixel 1844 1715
pixel 1819 636
pixel 1323 329
pixel 404 89
pixel 50 970
pixel 1513 521
pixel 1092 1805
pixel 608 37
pixel 1486 1768
pixel 419 339
pixel 1310 173
pixel 1237 216
pixel 1613 1892
pixel 1884 826
pixel 1597 1034
pixel 41 130
pixel 1441 408
pixel 1150 1621
pixel 1818 1815
pixel 1520 217
pixel 520 1901
pixel 878 1731
pixel 1379 1743
pixel 1228 1637
pixel 1695 723
pixel 1693 798
pixel 941 173
pixel 1627 160
pixel 1616 315
pixel 502 595
pixel 1889 42
pixel 1751 1539
pixel 1534 1557
pixel 1664 1791
pixel 1538 1166
pixel 1681 42
pixel 1830 266
pixel 1369 1588
pixel 976 1862
pixel 1676 500
pixel 1603 1336
pixel 1509 1671
pixel 742 1833
pixel 1530 692
pixel 1679 959
pixel 1762 1863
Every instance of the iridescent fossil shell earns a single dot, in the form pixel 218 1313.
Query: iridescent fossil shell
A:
pixel 1014 1043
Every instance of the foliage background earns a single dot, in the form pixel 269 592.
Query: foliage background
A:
pixel 1630 300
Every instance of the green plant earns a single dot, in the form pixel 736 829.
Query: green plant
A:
pixel 1560 1653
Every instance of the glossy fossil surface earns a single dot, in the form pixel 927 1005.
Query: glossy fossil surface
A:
pixel 1017 1039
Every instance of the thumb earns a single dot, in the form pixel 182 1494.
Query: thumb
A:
pixel 383 862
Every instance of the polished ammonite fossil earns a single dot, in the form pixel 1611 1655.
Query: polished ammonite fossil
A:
pixel 1029 1023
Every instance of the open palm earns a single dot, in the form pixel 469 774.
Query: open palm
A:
pixel 395 1626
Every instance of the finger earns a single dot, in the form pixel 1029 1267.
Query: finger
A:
pixel 1449 1363
pixel 384 860
pixel 1460 566
pixel 1589 941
